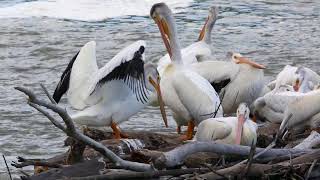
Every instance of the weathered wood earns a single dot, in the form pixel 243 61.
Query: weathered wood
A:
pixel 261 169
pixel 86 168
pixel 143 175
pixel 178 155
pixel 71 131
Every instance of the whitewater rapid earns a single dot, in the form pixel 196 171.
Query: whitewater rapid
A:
pixel 86 10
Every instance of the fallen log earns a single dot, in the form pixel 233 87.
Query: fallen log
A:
pixel 178 155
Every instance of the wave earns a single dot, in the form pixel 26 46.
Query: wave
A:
pixel 86 10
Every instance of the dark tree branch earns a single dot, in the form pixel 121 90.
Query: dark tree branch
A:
pixel 144 175
pixel 22 162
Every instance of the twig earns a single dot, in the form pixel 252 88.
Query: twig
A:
pixel 274 142
pixel 71 131
pixel 5 161
pixel 250 158
pixel 214 171
pixel 48 94
pixel 310 169
pixel 29 162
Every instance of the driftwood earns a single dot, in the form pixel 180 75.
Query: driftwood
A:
pixel 94 156
pixel 177 155
pixel 261 169
pixel 71 131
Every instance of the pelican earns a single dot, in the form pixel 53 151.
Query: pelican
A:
pixel 198 51
pixel 185 92
pixel 113 93
pixel 229 130
pixel 305 114
pixel 272 105
pixel 241 78
pixel 294 76
pixel 306 80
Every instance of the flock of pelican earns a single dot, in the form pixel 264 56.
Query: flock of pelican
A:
pixel 200 92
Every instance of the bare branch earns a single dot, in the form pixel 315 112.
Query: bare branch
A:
pixel 51 118
pixel 30 162
pixel 48 94
pixel 73 132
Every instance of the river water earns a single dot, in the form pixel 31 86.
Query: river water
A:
pixel 38 38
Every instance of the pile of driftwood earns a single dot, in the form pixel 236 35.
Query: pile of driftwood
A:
pixel 93 154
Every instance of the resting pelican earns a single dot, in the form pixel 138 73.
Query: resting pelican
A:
pixel 294 76
pixel 113 93
pixel 305 113
pixel 242 79
pixel 229 130
pixel 185 92
pixel 272 105
pixel 198 51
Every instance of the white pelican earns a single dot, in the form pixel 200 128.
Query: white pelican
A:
pixel 294 76
pixel 306 80
pixel 198 51
pixel 185 92
pixel 113 93
pixel 305 113
pixel 242 79
pixel 272 105
pixel 229 130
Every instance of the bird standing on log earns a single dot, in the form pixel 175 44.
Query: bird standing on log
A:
pixel 185 92
pixel 113 93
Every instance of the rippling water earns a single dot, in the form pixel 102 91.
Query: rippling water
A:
pixel 35 49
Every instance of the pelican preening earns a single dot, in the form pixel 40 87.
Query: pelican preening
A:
pixel 302 79
pixel 102 95
pixel 291 85
pixel 229 130
pixel 186 93
pixel 198 51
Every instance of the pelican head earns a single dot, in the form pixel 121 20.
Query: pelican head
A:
pixel 239 59
pixel 300 76
pixel 205 33
pixel 153 84
pixel 163 17
pixel 242 115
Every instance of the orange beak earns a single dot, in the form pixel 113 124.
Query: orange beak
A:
pixel 203 30
pixel 156 86
pixel 296 85
pixel 241 120
pixel 165 34
pixel 244 60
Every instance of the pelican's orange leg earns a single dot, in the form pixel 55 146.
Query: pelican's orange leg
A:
pixel 117 134
pixel 189 133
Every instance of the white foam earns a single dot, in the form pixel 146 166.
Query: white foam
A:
pixel 86 10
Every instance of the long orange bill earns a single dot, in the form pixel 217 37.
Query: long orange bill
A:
pixel 161 103
pixel 296 85
pixel 239 129
pixel 165 34
pixel 248 61
pixel 203 30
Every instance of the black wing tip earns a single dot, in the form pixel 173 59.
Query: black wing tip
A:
pixel 141 49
